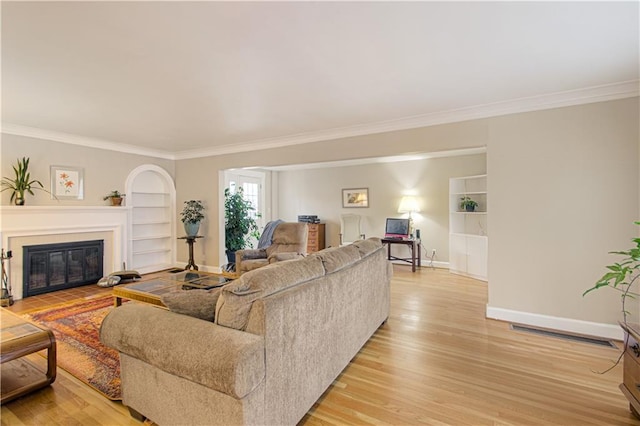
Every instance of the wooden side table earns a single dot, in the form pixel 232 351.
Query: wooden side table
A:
pixel 190 241
pixel 20 338
pixel 414 246
pixel 630 386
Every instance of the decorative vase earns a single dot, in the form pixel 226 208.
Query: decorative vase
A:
pixel 191 228
pixel 19 201
pixel 470 208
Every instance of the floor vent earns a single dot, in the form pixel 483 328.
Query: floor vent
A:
pixel 566 336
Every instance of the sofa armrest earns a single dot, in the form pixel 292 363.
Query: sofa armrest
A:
pixel 279 257
pixel 221 358
pixel 251 254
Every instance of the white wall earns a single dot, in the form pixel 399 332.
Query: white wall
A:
pixel 319 191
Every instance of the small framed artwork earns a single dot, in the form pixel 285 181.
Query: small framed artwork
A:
pixel 355 197
pixel 67 182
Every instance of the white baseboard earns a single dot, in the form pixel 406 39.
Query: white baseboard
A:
pixel 606 331
pixel 425 263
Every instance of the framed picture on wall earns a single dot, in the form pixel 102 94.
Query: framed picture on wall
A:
pixel 355 197
pixel 67 182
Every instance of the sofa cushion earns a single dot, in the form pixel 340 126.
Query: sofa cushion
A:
pixel 337 258
pixel 368 246
pixel 237 297
pixel 195 303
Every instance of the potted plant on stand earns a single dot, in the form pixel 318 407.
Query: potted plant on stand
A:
pixel 22 182
pixel 192 214
pixel 239 224
pixel 621 276
pixel 467 204
pixel 115 196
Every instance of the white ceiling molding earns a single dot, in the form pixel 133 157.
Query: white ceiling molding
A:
pixel 601 93
pixel 374 160
pixel 52 135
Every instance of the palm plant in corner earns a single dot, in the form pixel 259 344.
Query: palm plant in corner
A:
pixel 621 277
pixel 22 182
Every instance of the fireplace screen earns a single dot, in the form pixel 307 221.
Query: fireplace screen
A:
pixel 50 267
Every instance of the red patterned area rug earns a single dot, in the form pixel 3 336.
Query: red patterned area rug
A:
pixel 76 326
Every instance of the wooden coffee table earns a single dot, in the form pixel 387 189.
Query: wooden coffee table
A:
pixel 19 338
pixel 151 291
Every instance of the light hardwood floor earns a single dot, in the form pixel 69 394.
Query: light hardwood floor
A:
pixel 436 361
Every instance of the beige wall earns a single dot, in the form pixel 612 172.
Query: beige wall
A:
pixel 563 191
pixel 198 178
pixel 104 170
pixel 576 169
pixel 319 191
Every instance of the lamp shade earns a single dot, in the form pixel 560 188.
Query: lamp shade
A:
pixel 408 204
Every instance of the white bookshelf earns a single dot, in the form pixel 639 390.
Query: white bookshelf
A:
pixel 468 231
pixel 151 198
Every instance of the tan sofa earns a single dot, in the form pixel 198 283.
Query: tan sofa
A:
pixel 281 335
pixel 289 241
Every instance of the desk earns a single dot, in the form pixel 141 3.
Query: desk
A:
pixel 190 241
pixel 414 246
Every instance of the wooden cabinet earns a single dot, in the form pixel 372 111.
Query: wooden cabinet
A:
pixel 315 239
pixel 630 386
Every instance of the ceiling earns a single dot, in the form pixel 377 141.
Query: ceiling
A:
pixel 181 79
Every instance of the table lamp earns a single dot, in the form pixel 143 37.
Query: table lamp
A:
pixel 409 204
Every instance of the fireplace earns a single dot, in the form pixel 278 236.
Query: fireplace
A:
pixel 51 267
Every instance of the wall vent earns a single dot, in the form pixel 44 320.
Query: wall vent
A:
pixel 566 336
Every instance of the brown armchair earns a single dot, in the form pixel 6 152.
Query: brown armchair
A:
pixel 289 242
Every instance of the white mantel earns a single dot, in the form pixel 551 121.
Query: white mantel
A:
pixel 50 224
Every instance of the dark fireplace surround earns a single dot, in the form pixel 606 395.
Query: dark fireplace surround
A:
pixel 51 267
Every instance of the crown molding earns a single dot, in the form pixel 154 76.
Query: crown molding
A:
pixel 607 92
pixel 53 135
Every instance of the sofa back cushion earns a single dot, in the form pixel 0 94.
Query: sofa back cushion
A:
pixel 368 246
pixel 236 298
pixel 337 258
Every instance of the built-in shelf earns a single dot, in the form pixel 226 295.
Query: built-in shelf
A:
pixel 152 238
pixel 151 251
pixel 468 240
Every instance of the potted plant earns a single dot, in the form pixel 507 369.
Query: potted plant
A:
pixel 239 224
pixel 22 182
pixel 115 196
pixel 621 276
pixel 467 204
pixel 192 214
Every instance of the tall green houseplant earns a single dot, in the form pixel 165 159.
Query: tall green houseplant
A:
pixel 239 223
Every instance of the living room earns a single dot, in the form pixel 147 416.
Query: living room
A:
pixel 563 177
